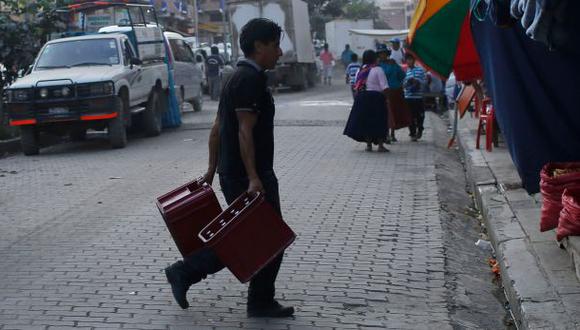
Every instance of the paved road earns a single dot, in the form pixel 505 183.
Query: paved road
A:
pixel 83 245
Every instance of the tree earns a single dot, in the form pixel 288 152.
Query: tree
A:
pixel 323 11
pixel 25 28
pixel 361 9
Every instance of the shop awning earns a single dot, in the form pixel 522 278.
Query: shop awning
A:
pixel 380 33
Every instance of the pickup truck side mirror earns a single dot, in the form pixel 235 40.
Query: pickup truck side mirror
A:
pixel 135 61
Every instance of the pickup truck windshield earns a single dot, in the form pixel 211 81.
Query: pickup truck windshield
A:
pixel 78 53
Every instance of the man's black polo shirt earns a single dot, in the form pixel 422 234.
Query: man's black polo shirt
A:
pixel 246 90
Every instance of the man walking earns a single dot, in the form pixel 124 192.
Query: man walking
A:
pixel 351 72
pixel 346 55
pixel 327 60
pixel 414 84
pixel 214 64
pixel 397 52
pixel 241 148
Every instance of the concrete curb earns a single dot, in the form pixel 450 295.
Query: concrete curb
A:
pixel 534 301
pixel 572 245
pixel 11 146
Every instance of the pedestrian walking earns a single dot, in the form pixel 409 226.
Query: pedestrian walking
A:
pixel 414 86
pixel 399 114
pixel 241 148
pixel 397 53
pixel 346 55
pixel 214 65
pixel 351 71
pixel 368 120
pixel 327 60
pixel 227 73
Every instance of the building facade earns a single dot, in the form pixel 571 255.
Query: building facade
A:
pixel 176 15
pixel 213 26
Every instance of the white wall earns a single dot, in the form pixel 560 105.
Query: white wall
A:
pixel 337 36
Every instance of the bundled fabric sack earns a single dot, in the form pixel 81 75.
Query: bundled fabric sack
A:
pixel 569 223
pixel 554 179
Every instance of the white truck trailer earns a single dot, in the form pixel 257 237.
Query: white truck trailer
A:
pixel 338 35
pixel 297 66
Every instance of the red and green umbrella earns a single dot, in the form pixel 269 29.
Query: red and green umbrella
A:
pixel 440 37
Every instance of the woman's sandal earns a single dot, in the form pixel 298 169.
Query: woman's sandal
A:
pixel 383 149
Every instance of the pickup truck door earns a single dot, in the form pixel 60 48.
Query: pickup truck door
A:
pixel 138 91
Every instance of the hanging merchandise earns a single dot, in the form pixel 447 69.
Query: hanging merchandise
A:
pixel 440 37
pixel 534 93
pixel 555 178
pixel 553 23
pixel 569 224
pixel 172 117
pixel 498 12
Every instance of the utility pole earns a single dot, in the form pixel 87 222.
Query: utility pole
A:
pixel 196 17
pixel 225 29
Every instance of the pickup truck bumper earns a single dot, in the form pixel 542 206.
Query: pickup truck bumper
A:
pixel 39 113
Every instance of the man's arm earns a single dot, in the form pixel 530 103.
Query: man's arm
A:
pixel 247 121
pixel 214 142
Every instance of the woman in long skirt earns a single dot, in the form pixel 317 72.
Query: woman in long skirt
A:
pixel 399 114
pixel 368 120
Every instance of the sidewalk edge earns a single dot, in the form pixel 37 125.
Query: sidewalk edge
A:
pixel 518 262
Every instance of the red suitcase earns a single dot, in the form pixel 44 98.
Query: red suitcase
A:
pixel 247 235
pixel 186 211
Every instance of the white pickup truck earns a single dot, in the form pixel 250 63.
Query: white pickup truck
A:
pixel 98 81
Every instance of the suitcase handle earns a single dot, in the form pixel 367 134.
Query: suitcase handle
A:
pixel 227 216
pixel 172 196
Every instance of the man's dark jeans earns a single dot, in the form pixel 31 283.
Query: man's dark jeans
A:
pixel 205 262
pixel 214 87
pixel 418 115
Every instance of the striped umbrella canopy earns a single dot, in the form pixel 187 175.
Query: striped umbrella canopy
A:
pixel 440 37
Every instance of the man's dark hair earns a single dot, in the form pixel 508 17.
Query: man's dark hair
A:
pixel 258 29
pixel 215 50
pixel 347 46
pixel 369 56
pixel 354 57
pixel 409 55
pixel 326 46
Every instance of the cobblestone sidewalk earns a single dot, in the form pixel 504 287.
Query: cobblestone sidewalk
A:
pixel 83 245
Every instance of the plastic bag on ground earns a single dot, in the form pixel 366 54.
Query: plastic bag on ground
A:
pixel 554 179
pixel 569 223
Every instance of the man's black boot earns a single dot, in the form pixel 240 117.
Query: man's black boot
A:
pixel 273 309
pixel 180 283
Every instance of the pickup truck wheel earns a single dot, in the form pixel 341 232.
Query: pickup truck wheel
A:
pixel 152 114
pixel 116 128
pixel 78 134
pixel 29 140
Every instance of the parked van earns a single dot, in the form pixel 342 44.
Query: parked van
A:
pixel 188 76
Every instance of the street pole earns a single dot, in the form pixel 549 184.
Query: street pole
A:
pixel 196 9
pixel 225 33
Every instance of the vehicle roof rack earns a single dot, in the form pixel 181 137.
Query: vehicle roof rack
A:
pixel 90 5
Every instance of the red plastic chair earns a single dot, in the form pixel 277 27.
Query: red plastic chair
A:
pixel 477 106
pixel 486 119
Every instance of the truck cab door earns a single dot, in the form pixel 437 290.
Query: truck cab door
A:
pixel 137 84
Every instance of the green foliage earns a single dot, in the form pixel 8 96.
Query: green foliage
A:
pixel 24 28
pixel 361 9
pixel 323 11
